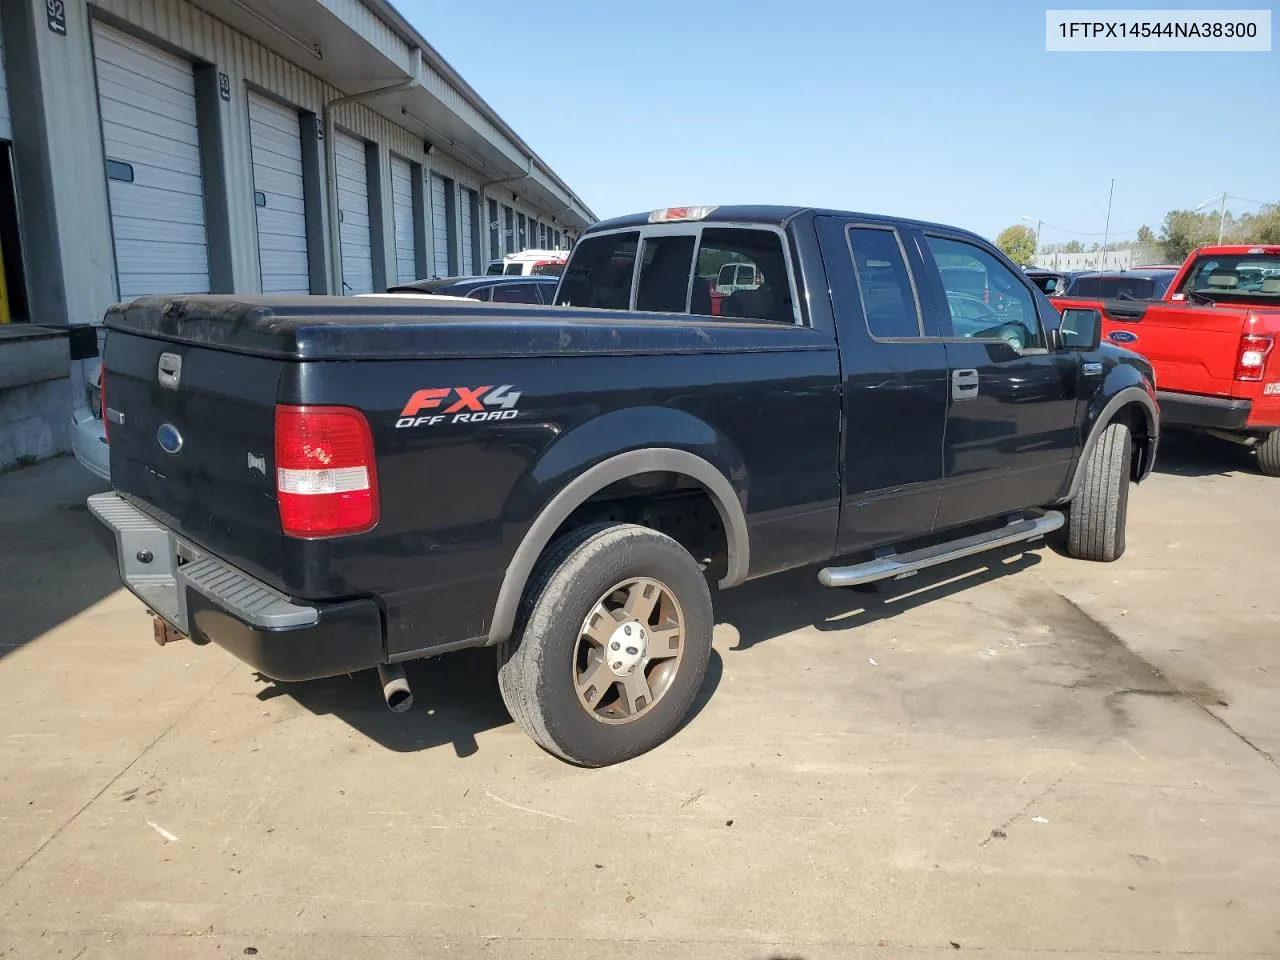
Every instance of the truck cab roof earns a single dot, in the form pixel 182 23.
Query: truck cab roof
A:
pixel 763 214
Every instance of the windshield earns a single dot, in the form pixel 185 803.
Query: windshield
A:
pixel 1120 287
pixel 548 269
pixel 1255 277
pixel 495 268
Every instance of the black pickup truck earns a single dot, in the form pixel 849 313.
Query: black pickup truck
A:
pixel 323 485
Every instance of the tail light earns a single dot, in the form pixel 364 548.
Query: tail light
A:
pixel 1252 361
pixel 326 480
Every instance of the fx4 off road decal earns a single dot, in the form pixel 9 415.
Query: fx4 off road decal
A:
pixel 460 405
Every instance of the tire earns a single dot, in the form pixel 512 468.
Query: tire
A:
pixel 539 665
pixel 1269 455
pixel 1096 517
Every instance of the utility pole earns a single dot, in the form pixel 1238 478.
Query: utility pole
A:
pixel 1222 216
pixel 1106 231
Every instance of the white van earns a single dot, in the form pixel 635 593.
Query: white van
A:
pixel 737 276
pixel 530 263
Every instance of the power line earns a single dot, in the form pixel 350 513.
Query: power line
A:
pixel 1086 233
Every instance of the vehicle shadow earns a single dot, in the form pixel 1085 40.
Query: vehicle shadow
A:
pixel 52 567
pixel 1186 454
pixel 790 601
pixel 455 698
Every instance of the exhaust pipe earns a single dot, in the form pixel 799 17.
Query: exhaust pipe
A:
pixel 395 687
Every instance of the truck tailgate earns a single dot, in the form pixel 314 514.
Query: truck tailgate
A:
pixel 191 431
pixel 1193 349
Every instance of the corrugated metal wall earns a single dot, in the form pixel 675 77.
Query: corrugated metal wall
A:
pixel 188 30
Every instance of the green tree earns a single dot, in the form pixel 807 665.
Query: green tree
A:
pixel 1184 230
pixel 1018 243
pixel 1260 227
pixel 1146 235
pixel 1073 246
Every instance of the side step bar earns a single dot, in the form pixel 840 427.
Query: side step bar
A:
pixel 895 565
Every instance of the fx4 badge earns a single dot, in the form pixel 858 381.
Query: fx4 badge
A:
pixel 464 405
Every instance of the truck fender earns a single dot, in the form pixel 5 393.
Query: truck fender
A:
pixel 1122 398
pixel 595 479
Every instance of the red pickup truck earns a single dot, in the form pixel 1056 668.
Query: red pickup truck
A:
pixel 1212 342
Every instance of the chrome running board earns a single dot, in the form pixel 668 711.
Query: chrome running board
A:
pixel 895 565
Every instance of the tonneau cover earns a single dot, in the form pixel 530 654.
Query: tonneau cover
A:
pixel 351 328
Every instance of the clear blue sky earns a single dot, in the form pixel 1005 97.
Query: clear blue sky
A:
pixel 948 111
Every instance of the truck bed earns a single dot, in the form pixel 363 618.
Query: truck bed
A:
pixel 456 497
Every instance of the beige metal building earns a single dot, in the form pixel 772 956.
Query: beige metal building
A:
pixel 276 146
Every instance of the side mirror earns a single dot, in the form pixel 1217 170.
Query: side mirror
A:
pixel 1080 329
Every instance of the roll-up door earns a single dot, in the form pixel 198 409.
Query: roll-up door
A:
pixel 402 211
pixel 440 226
pixel 468 259
pixel 147 101
pixel 6 130
pixel 353 214
pixel 275 141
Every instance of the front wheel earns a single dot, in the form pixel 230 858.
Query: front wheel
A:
pixel 1269 454
pixel 1096 518
pixel 611 644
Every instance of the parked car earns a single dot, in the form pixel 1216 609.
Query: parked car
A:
pixel 1147 283
pixel 496 289
pixel 1052 283
pixel 529 263
pixel 88 431
pixel 1211 339
pixel 736 276
pixel 361 487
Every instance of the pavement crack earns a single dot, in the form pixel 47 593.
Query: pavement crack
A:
pixel 1001 832
pixel 114 780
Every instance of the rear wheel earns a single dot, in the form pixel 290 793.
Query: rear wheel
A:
pixel 611 644
pixel 1269 454
pixel 1097 516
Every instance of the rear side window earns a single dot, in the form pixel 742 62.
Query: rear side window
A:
pixel 515 293
pixel 480 294
pixel 757 288
pixel 884 282
pixel 599 274
pixel 514 269
pixel 664 274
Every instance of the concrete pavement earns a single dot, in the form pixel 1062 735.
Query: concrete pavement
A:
pixel 1020 754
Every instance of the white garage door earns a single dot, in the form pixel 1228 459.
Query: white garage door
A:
pixel 439 226
pixel 402 211
pixel 147 100
pixel 6 131
pixel 353 220
pixel 468 261
pixel 274 136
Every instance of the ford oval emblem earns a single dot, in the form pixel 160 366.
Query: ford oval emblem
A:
pixel 169 438
pixel 1122 336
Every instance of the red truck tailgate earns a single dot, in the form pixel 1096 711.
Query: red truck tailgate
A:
pixel 1193 349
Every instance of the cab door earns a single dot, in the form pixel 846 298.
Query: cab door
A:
pixel 1011 419
pixel 894 387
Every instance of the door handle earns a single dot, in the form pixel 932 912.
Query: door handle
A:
pixel 964 384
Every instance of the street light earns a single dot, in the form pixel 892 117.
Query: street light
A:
pixel 1222 213
pixel 1037 221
